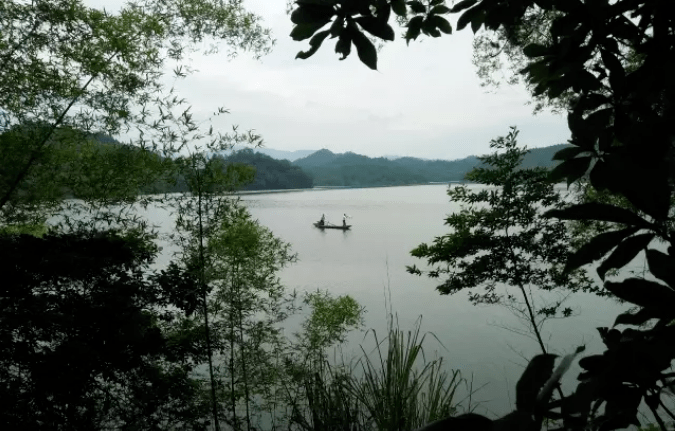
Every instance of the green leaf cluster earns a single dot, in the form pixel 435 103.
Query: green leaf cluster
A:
pixel 500 237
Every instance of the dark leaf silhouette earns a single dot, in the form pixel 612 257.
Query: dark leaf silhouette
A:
pixel 376 27
pixel 597 247
pixel 365 49
pixel 625 252
pixel 601 212
pixel 571 169
pixel 642 292
pixel 315 43
pixel 661 266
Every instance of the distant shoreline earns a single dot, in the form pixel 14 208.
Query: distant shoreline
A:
pixel 320 188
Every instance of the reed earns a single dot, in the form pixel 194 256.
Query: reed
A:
pixel 393 388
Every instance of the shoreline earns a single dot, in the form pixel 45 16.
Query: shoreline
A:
pixel 321 188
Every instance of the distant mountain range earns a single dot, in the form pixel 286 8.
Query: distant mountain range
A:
pixel 276 169
pixel 275 154
pixel 354 170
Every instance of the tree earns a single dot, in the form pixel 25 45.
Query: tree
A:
pixel 498 56
pixel 199 212
pixel 69 72
pixel 82 339
pixel 616 61
pixel 247 306
pixel 500 242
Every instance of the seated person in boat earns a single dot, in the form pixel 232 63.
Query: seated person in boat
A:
pixel 322 220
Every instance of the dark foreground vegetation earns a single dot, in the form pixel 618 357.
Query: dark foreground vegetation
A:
pixel 94 337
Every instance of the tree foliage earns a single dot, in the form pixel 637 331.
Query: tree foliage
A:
pixel 613 63
pixel 270 173
pixel 69 72
pixel 500 247
pixel 82 340
pixel 247 308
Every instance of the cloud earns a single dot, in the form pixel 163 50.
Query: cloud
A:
pixel 424 101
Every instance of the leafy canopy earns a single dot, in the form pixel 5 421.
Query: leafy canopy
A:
pixel 499 239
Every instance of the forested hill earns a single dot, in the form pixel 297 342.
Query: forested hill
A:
pixel 354 170
pixel 271 173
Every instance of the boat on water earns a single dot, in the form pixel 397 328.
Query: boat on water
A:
pixel 331 226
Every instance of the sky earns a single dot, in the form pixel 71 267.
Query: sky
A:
pixel 424 101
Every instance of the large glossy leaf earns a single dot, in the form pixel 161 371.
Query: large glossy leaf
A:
pixel 304 31
pixel 464 4
pixel 592 101
pixel 651 195
pixel 365 49
pixel 429 28
pixel 441 23
pixel 414 27
pixel 625 253
pixel 344 44
pixel 309 14
pixel 571 170
pixel 642 292
pixel 376 27
pixel 535 50
pixel 315 43
pixel 534 377
pixel 585 81
pixel 439 10
pixel 416 6
pixel 589 127
pixel 337 27
pixel 478 20
pixel 568 153
pixel 617 77
pixel 600 212
pixel 638 318
pixel 329 3
pixel 399 7
pixel 597 247
pixel 468 17
pixel 661 266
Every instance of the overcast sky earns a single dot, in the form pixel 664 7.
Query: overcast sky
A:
pixel 424 101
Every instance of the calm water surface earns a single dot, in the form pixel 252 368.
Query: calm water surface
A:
pixel 387 223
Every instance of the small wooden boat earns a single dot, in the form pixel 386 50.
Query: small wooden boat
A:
pixel 331 226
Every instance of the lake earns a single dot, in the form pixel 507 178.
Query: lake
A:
pixel 368 262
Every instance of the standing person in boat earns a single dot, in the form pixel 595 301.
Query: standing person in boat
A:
pixel 345 217
pixel 322 220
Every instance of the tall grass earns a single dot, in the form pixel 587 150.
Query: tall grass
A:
pixel 401 389
pixel 397 388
